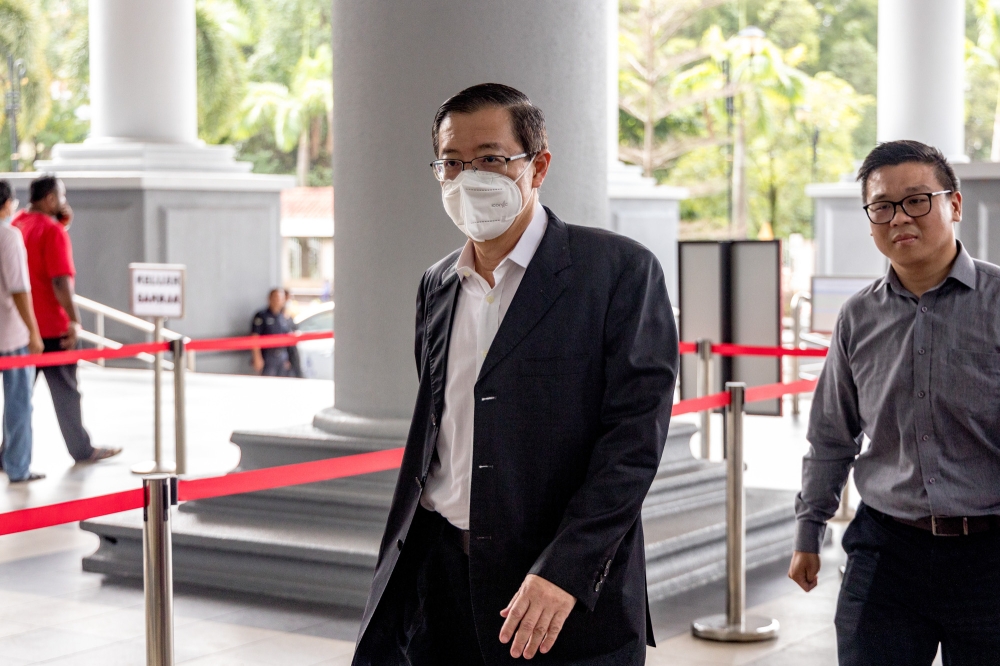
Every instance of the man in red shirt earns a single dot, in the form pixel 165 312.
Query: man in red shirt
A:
pixel 50 269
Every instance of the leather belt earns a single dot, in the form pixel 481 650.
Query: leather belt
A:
pixel 949 526
pixel 450 533
pixel 458 537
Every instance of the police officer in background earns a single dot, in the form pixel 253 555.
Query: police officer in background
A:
pixel 273 362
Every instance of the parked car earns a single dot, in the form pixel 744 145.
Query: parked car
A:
pixel 316 355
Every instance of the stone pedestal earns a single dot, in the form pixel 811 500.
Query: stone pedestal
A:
pixel 979 230
pixel 223 227
pixel 648 213
pixel 843 242
pixel 320 542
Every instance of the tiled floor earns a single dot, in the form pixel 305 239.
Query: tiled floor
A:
pixel 53 613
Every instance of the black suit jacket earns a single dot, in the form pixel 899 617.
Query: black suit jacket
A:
pixel 572 408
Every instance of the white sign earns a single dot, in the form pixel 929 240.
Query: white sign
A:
pixel 157 290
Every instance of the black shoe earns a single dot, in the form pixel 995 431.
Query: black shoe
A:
pixel 32 476
pixel 101 454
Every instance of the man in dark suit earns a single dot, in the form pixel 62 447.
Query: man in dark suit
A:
pixel 547 356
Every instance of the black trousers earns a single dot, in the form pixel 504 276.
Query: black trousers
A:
pixel 61 380
pixel 436 624
pixel 905 591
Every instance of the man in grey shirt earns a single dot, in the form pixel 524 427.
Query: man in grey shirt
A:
pixel 914 364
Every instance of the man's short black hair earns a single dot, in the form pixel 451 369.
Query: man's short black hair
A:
pixel 527 120
pixel 43 186
pixel 6 193
pixel 892 153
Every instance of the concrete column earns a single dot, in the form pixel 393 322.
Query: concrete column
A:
pixel 143 71
pixel 921 73
pixel 394 64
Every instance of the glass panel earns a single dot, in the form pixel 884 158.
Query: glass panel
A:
pixel 321 321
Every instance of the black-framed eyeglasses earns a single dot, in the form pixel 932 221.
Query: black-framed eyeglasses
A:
pixel 915 205
pixel 450 168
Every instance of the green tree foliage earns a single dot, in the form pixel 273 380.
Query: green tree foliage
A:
pixel 798 119
pixel 24 34
pixel 221 71
pixel 982 73
pixel 245 48
pixel 295 111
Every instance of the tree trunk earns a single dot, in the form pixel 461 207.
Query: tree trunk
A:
pixel 316 136
pixel 995 145
pixel 329 132
pixel 738 225
pixel 302 159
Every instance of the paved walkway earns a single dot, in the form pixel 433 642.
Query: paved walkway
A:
pixel 53 613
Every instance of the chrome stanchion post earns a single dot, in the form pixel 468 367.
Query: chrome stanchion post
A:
pixel 704 388
pixel 158 397
pixel 157 569
pixel 734 625
pixel 797 300
pixel 99 330
pixel 180 413
pixel 156 465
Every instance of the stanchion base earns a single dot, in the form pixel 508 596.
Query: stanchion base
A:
pixel 150 467
pixel 717 628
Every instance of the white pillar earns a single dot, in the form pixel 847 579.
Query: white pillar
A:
pixel 394 64
pixel 921 73
pixel 143 72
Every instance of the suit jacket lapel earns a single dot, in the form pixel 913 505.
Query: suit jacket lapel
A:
pixel 439 310
pixel 539 289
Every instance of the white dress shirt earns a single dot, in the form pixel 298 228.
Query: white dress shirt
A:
pixel 478 314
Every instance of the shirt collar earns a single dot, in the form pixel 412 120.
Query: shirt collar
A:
pixel 522 253
pixel 963 270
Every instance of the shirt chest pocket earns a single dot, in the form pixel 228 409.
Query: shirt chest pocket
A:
pixel 972 381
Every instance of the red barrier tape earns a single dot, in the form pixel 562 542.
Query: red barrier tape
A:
pixel 289 475
pixel 771 391
pixel 748 350
pixel 127 351
pixel 687 347
pixel 69 512
pixel 713 401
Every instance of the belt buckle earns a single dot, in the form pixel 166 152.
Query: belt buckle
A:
pixel 934 528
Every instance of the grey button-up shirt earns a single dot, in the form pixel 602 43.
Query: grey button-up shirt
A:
pixel 921 378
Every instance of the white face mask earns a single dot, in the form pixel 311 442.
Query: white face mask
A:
pixel 483 204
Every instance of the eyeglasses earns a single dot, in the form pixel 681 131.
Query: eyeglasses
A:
pixel 915 205
pixel 449 169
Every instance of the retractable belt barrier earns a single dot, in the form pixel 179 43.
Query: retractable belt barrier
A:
pixel 160 491
pixel 127 351
pixel 289 475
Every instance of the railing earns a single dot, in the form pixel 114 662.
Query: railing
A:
pixel 101 341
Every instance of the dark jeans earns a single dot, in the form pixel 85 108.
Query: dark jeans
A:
pixel 61 380
pixel 905 591
pixel 435 625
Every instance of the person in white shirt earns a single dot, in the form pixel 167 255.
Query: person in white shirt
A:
pixel 18 336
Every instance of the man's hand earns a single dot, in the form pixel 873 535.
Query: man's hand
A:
pixel 804 569
pixel 537 613
pixel 35 344
pixel 69 340
pixel 258 362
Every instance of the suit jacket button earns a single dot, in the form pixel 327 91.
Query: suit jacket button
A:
pixel 399 544
pixel 434 420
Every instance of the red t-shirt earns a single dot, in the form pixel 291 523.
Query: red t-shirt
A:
pixel 50 255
